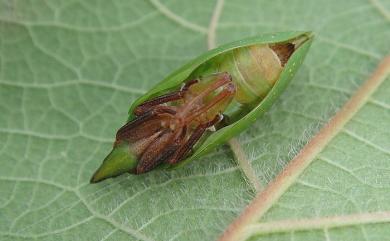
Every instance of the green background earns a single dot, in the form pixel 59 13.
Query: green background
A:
pixel 70 69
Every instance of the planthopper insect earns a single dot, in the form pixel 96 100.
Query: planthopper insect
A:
pixel 205 103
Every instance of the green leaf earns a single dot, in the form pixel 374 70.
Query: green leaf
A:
pixel 69 71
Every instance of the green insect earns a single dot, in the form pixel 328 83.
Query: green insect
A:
pixel 205 103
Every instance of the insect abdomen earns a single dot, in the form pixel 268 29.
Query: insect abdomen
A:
pixel 255 69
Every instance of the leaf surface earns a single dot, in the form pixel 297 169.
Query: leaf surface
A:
pixel 69 71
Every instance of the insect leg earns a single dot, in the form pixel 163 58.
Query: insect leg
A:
pixel 220 80
pixel 144 166
pixel 156 153
pixel 217 104
pixel 161 149
pixel 126 131
pixel 176 95
pixel 195 136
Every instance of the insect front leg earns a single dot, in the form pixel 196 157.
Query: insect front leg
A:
pixel 128 131
pixel 161 149
pixel 156 152
pixel 182 151
pixel 176 95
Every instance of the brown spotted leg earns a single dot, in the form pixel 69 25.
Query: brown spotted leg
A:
pixel 176 95
pixel 195 136
pixel 126 131
pixel 160 149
